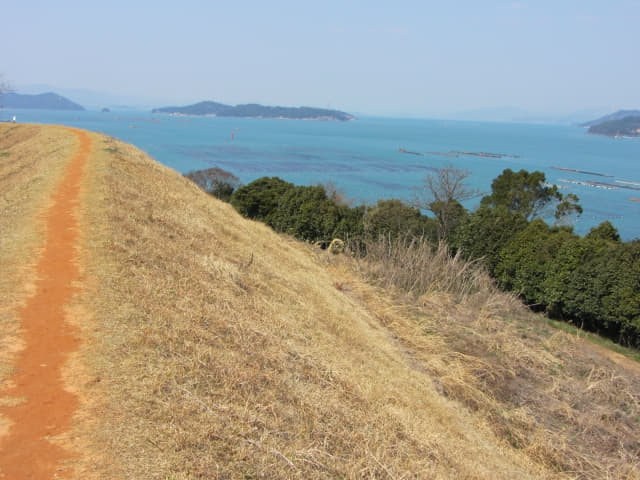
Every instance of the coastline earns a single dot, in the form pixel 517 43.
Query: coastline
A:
pixel 256 117
pixel 361 157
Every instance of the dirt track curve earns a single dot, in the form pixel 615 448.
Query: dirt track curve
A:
pixel 42 408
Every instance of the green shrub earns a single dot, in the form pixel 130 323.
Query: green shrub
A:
pixel 483 233
pixel 259 199
pixel 392 218
pixel 306 213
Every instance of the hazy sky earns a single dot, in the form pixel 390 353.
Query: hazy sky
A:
pixel 377 57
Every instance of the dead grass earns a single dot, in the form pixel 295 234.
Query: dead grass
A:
pixel 222 350
pixel 230 354
pixel 419 269
pixel 549 394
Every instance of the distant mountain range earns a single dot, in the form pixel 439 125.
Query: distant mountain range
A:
pixel 623 123
pixel 254 110
pixel 43 101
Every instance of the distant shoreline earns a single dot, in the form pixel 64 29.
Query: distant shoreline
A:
pixel 621 124
pixel 213 115
pixel 254 110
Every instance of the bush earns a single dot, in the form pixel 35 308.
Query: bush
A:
pixel 592 281
pixel 528 259
pixel 306 213
pixel 414 265
pixel 259 199
pixel 392 218
pixel 485 232
pixel 602 293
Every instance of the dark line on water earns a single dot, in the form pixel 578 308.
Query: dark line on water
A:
pixel 584 172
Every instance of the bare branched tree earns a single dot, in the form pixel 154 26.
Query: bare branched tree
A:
pixel 442 193
pixel 215 181
pixel 335 194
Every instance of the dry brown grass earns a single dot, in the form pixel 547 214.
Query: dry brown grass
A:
pixel 546 392
pixel 418 268
pixel 223 350
pixel 230 353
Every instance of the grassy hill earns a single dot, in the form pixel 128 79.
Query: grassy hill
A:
pixel 215 348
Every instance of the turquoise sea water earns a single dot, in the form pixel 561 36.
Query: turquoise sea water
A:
pixel 362 157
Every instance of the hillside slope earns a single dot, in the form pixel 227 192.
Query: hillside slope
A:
pixel 214 348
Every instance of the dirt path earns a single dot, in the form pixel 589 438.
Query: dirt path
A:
pixel 41 407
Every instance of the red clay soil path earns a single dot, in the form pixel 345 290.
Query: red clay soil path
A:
pixel 44 408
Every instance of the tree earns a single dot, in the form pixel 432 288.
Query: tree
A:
pixel 601 290
pixel 483 233
pixel 396 219
pixel 215 181
pixel 306 213
pixel 335 194
pixel 259 199
pixel 528 194
pixel 350 226
pixel 604 231
pixel 442 193
pixel 527 260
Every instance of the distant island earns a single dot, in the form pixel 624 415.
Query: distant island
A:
pixel 625 127
pixel 623 123
pixel 42 101
pixel 254 110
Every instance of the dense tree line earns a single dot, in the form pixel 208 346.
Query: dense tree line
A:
pixel 591 281
pixel 313 214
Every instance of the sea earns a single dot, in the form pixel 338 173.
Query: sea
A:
pixel 374 158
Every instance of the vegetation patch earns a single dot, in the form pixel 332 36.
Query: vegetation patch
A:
pixel 221 349
pixel 590 281
pixel 227 350
pixel 545 392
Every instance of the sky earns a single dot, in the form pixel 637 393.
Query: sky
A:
pixel 399 58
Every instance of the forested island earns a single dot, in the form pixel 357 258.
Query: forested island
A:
pixel 625 127
pixel 623 123
pixel 254 110
pixel 42 101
